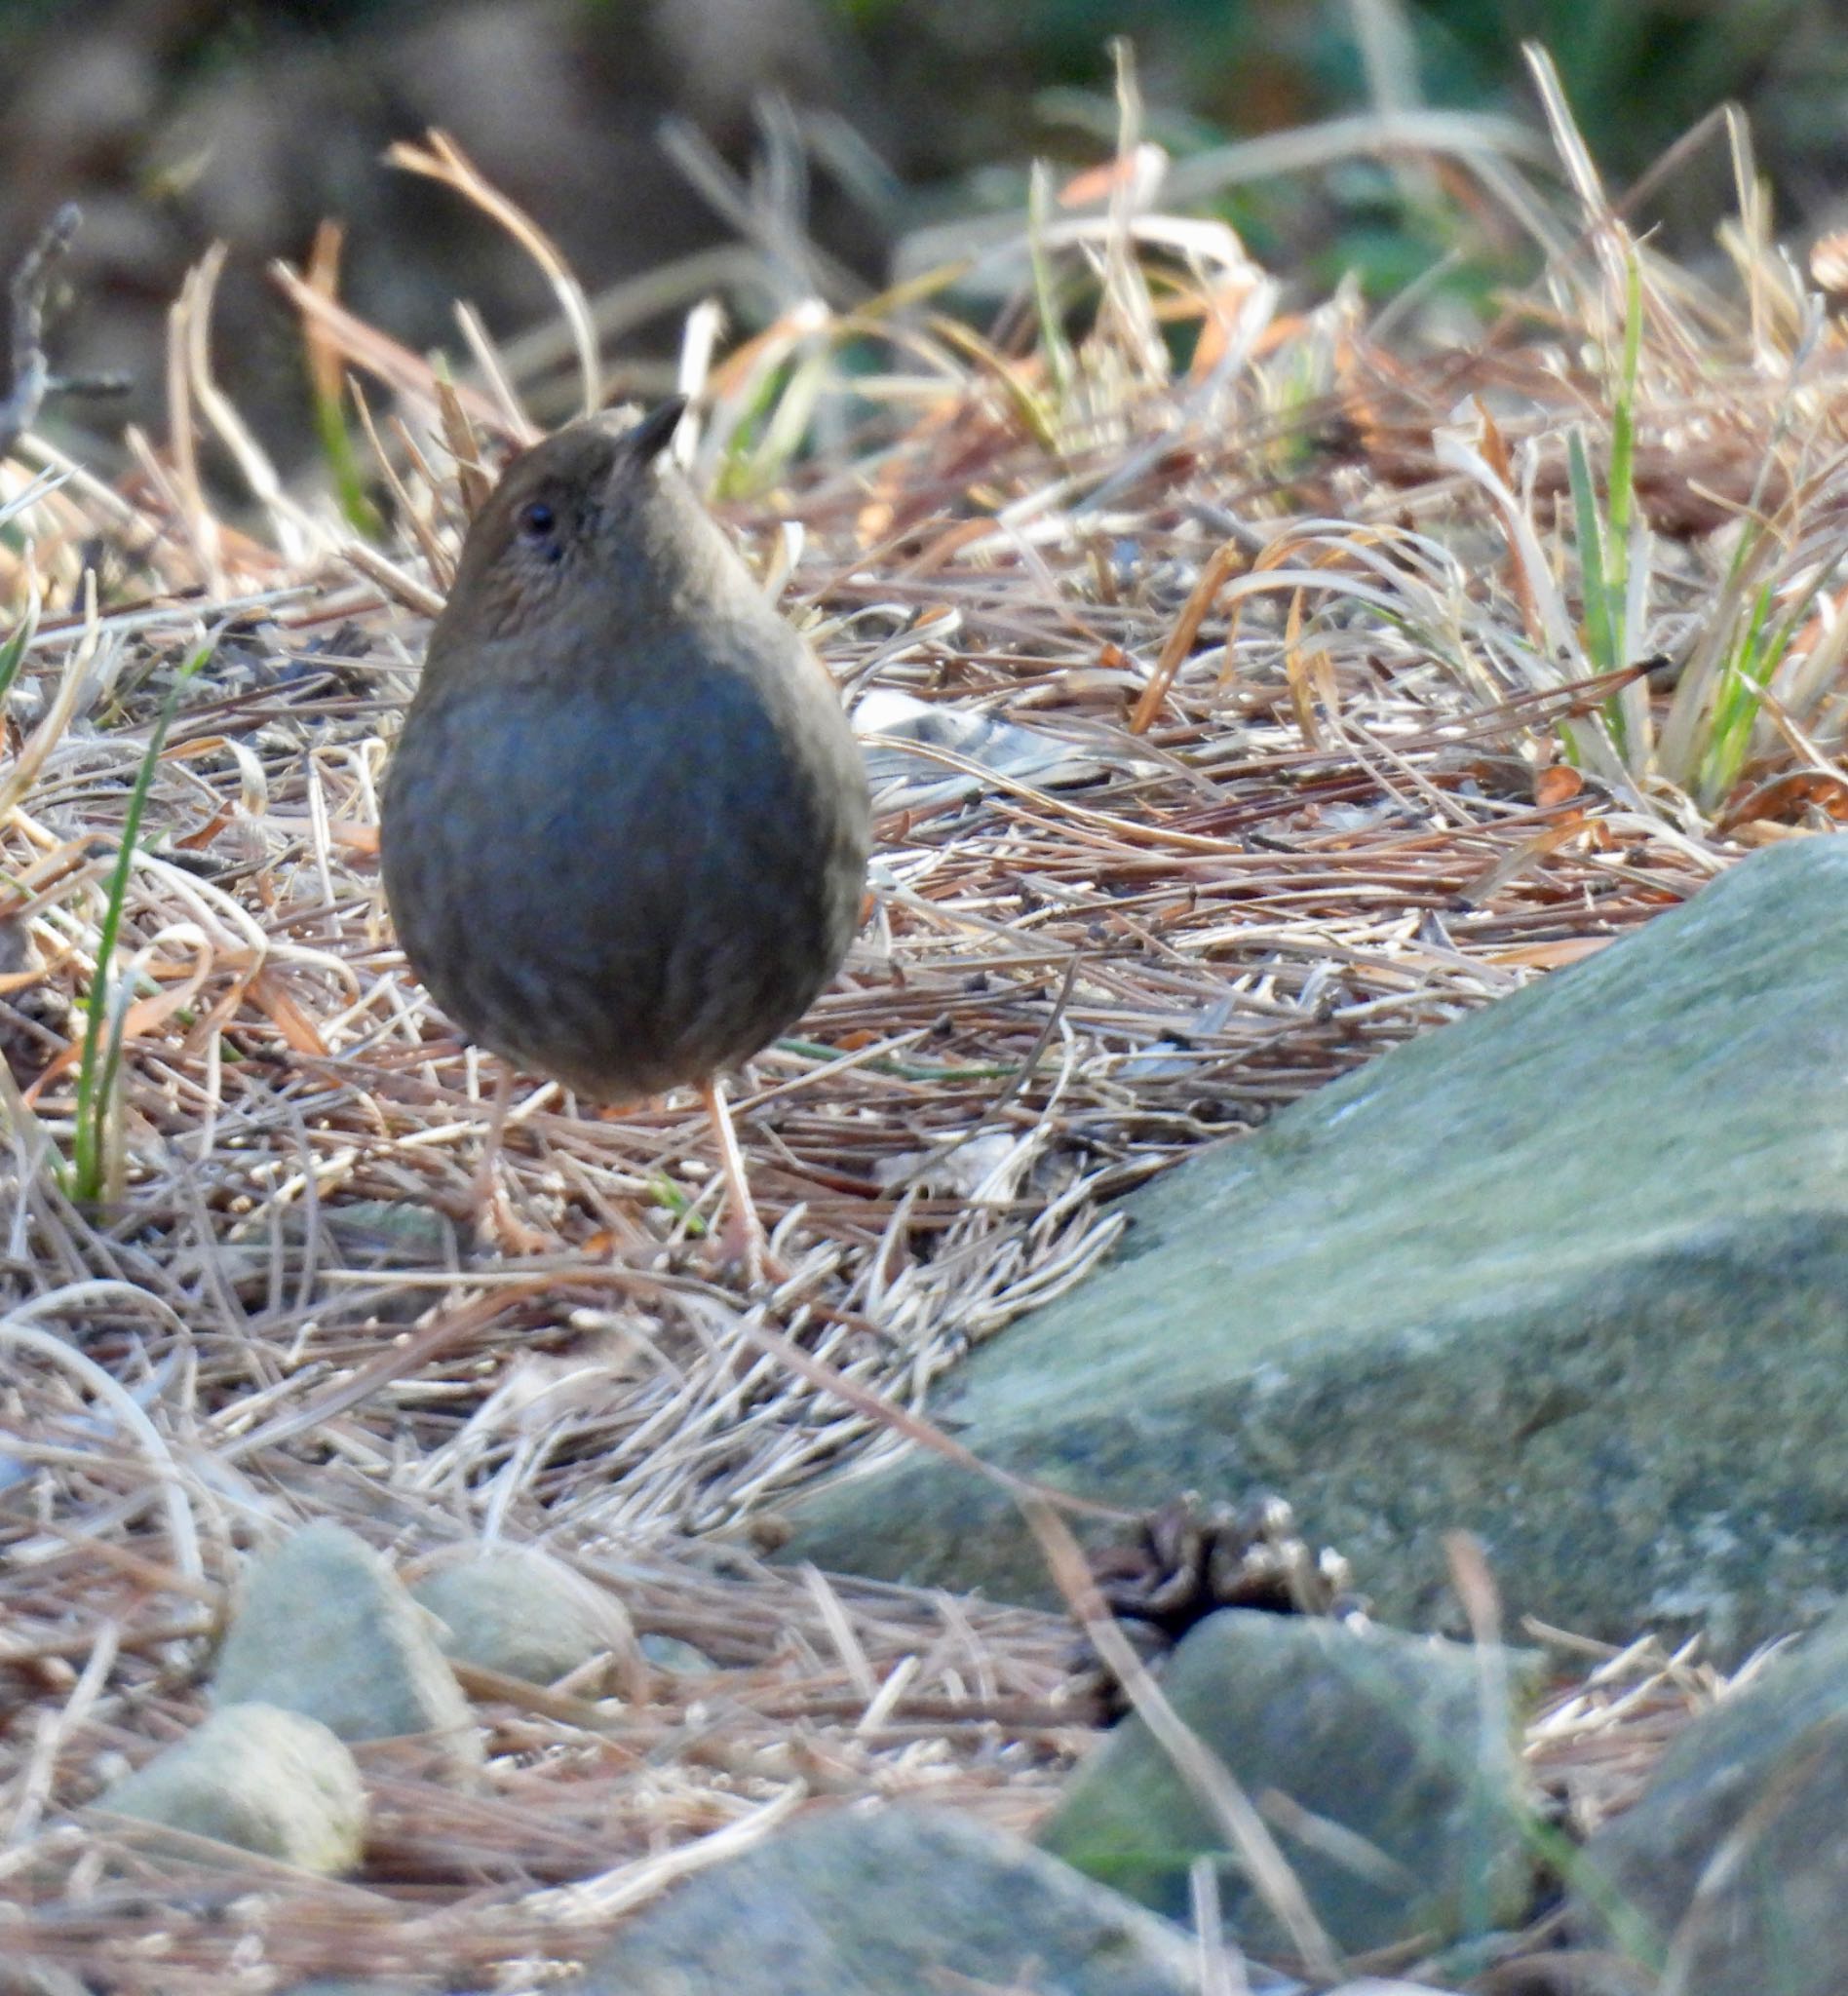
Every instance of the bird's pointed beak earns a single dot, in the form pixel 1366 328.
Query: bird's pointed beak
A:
pixel 655 432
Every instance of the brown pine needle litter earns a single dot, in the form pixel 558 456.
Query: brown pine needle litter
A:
pixel 1260 687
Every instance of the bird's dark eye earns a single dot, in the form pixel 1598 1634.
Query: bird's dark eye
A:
pixel 537 520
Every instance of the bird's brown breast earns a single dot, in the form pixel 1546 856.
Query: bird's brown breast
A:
pixel 625 892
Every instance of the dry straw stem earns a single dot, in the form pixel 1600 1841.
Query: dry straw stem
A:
pixel 441 159
pixel 1352 812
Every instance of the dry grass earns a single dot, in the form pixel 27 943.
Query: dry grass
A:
pixel 1317 752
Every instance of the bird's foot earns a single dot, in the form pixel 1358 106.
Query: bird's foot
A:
pixel 498 1226
pixel 494 1215
pixel 741 1246
pixel 496 1223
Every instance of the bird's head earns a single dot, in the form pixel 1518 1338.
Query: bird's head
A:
pixel 591 532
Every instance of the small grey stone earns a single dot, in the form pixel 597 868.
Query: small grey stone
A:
pixel 670 1653
pixel 1734 1862
pixel 390 1234
pixel 323 1626
pixel 258 1778
pixel 1371 1985
pixel 1375 1731
pixel 893 1903
pixel 379 1237
pixel 522 1613
pixel 342 1986
pixel 23 1978
pixel 1571 1273
pixel 370 1235
pixel 345 1985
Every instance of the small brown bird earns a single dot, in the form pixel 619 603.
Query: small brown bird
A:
pixel 625 830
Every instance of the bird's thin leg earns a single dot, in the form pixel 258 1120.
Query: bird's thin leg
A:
pixel 494 1216
pixel 483 1187
pixel 742 1237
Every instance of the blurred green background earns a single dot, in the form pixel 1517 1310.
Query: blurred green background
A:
pixel 180 121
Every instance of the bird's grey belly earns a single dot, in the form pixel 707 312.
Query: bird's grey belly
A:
pixel 604 899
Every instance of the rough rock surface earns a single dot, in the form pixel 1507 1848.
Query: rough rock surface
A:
pixel 1735 1859
pixel 522 1613
pixel 1572 1273
pixel 257 1778
pixel 323 1626
pixel 1380 1733
pixel 893 1902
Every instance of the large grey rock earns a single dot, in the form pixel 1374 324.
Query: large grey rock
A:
pixel 893 1902
pixel 257 1778
pixel 1380 1733
pixel 1572 1273
pixel 1732 1868
pixel 323 1626
pixel 522 1613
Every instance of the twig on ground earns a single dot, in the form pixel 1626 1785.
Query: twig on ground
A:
pixel 30 373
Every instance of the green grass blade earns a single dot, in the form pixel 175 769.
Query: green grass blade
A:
pixel 1590 547
pixel 343 469
pixel 1620 511
pixel 101 1066
pixel 1623 428
pixel 1742 684
pixel 13 651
